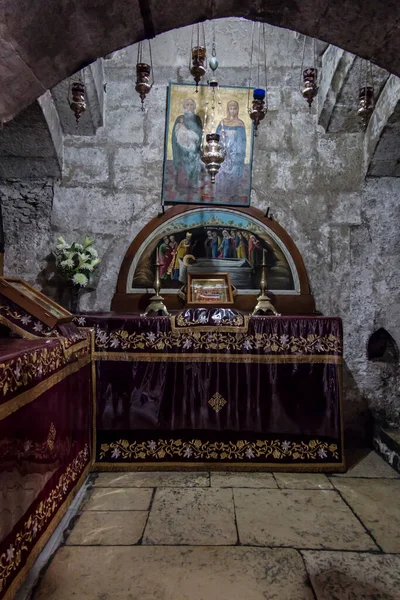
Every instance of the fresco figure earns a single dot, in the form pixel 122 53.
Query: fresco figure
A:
pixel 164 256
pixel 255 251
pixel 183 249
pixel 207 245
pixel 233 243
pixel 215 242
pixel 241 245
pixel 233 134
pixel 225 245
pixel 186 139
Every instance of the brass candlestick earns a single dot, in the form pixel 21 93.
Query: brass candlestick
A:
pixel 156 302
pixel 263 301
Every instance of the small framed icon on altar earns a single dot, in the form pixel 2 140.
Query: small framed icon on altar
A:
pixel 209 289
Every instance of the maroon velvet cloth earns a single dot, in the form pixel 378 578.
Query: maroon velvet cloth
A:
pixel 280 379
pixel 24 363
pixel 44 450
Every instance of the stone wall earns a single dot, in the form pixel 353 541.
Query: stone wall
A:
pixel 346 229
pixel 26 212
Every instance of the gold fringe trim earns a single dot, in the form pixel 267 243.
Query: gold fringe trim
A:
pixel 36 550
pixel 218 358
pixel 338 467
pixel 73 348
pixel 208 328
pixel 94 399
pixel 26 397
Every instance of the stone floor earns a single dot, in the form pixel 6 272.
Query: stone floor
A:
pixel 245 536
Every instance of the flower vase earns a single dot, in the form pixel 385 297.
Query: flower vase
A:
pixel 74 299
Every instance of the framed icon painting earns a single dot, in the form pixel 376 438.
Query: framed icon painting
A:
pixel 185 178
pixel 212 289
pixel 33 301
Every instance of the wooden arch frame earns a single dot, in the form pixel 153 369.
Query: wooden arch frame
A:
pixel 301 302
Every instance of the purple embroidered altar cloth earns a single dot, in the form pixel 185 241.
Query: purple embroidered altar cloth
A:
pixel 234 390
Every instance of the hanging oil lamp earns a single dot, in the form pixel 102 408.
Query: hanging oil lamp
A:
pixel 212 154
pixel 258 60
pixel 310 87
pixel 212 151
pixel 258 109
pixel 144 74
pixel 366 93
pixel 365 104
pixel 198 55
pixel 309 76
pixel 77 102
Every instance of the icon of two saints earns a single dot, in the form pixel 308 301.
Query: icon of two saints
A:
pixel 186 143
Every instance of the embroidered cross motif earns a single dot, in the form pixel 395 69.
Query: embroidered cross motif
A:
pixel 217 402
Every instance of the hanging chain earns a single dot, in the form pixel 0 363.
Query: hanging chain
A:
pixel 223 140
pixel 265 68
pixel 191 48
pixel 259 52
pixel 302 63
pixel 251 66
pixel 151 65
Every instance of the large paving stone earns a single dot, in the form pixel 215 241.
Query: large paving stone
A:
pixel 353 576
pixel 377 503
pixel 168 573
pixel 298 518
pixel 245 480
pixel 303 481
pixel 191 516
pixel 150 479
pixel 119 528
pixel 371 466
pixel 119 499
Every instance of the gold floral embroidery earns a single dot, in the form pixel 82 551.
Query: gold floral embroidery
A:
pixel 39 520
pixel 20 372
pixel 217 402
pixel 121 339
pixel 241 450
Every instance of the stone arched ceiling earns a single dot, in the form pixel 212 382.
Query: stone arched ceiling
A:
pixel 42 43
pixel 344 116
pixel 386 159
pixel 31 145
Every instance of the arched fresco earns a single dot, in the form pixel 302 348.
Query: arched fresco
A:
pixel 212 240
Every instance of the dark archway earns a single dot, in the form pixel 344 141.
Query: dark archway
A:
pixel 382 347
pixel 42 43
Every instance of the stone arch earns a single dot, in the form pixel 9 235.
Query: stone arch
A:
pixel 31 145
pixel 39 45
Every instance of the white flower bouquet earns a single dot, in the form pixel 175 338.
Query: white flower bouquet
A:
pixel 76 262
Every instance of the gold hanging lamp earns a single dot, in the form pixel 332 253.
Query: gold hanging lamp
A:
pixel 76 97
pixel 198 54
pixel 144 73
pixel 309 75
pixel 366 93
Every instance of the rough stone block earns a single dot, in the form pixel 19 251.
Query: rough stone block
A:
pixel 85 165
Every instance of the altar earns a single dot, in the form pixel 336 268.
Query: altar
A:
pixel 216 389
